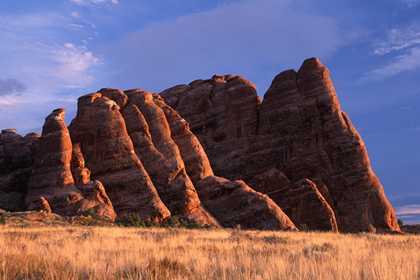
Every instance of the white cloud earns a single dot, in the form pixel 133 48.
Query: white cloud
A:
pixel 403 44
pixel 74 64
pixel 408 209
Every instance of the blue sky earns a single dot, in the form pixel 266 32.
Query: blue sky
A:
pixel 55 51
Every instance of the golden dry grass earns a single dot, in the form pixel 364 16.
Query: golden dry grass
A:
pixel 75 252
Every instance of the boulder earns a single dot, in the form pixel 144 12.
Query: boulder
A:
pixel 40 204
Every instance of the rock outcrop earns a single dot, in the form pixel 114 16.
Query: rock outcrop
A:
pixel 100 132
pixel 298 130
pixel 161 155
pixel 210 152
pixel 51 186
pixel 305 205
pixel 16 160
pixel 234 203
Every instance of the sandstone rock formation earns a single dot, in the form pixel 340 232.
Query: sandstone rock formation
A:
pixel 210 152
pixel 99 130
pixel 298 130
pixel 305 205
pixel 16 162
pixel 51 186
pixel 144 154
pixel 231 203
pixel 160 155
pixel 234 203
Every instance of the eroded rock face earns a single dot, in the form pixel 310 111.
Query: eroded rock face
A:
pixel 305 205
pixel 100 131
pixel 15 150
pixel 218 110
pixel 53 156
pixel 16 160
pixel 161 158
pixel 81 174
pixel 231 203
pixel 40 204
pixel 150 132
pixel 51 186
pixel 234 203
pixel 195 159
pixel 301 132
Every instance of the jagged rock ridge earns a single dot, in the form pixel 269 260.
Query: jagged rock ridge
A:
pixel 210 152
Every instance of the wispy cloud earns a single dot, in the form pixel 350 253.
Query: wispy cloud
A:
pixel 405 62
pixel 399 39
pixel 74 64
pixel 402 45
pixel 408 209
pixel 74 25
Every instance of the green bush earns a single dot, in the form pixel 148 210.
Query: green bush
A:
pixel 303 227
pixel 90 212
pixel 175 222
pixel 2 219
pixel 134 220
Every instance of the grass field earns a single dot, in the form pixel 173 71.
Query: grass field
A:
pixel 80 252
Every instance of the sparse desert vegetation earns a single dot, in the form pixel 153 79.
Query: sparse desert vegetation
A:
pixel 53 250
